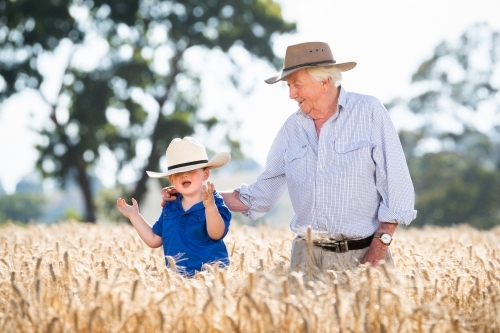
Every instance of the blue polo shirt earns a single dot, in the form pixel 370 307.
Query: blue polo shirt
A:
pixel 185 236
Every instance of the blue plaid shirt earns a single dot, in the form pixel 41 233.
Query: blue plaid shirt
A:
pixel 342 183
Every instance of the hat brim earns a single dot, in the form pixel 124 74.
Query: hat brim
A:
pixel 344 67
pixel 219 160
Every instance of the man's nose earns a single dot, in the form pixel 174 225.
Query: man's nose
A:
pixel 292 93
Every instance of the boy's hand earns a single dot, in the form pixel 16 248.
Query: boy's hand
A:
pixel 169 194
pixel 127 210
pixel 208 195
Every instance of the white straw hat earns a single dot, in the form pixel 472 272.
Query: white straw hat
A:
pixel 188 154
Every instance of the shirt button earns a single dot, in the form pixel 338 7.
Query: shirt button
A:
pixel 304 146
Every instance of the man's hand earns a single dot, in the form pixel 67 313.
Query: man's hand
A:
pixel 378 250
pixel 232 201
pixel 375 253
pixel 169 194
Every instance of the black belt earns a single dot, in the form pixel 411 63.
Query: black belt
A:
pixel 343 245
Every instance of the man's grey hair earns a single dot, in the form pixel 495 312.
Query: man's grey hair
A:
pixel 322 73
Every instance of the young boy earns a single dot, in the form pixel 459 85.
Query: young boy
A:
pixel 192 227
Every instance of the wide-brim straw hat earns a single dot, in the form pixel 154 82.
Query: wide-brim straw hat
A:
pixel 305 55
pixel 188 154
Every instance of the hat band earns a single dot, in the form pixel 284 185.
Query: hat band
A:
pixel 186 164
pixel 316 63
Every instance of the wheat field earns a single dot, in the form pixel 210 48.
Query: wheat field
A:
pixel 75 277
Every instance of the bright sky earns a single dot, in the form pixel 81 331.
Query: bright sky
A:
pixel 388 40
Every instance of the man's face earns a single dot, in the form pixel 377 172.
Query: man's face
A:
pixel 307 93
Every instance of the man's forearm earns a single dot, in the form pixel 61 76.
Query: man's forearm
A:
pixel 377 250
pixel 387 228
pixel 233 202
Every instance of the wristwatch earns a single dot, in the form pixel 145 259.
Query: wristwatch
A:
pixel 384 238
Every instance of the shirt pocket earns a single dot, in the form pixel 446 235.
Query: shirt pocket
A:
pixel 296 164
pixel 196 227
pixel 352 156
pixel 170 225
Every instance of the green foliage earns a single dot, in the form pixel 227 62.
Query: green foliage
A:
pixel 452 189
pixel 105 108
pixel 106 204
pixel 21 207
pixel 458 81
pixel 460 184
pixel 458 181
pixel 72 214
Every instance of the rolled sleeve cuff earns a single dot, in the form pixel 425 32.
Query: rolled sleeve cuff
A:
pixel 385 214
pixel 246 197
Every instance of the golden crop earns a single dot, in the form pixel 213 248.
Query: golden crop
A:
pixel 71 277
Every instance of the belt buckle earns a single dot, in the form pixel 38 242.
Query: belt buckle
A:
pixel 341 246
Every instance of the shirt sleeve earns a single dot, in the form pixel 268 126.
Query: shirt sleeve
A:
pixel 270 187
pixel 158 226
pixel 392 176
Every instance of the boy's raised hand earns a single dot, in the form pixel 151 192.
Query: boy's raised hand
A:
pixel 208 195
pixel 126 209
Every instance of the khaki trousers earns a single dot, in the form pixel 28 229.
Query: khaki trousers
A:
pixel 327 260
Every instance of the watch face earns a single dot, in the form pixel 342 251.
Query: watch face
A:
pixel 386 238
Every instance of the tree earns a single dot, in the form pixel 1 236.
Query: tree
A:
pixel 21 207
pixel 454 159
pixel 455 187
pixel 106 109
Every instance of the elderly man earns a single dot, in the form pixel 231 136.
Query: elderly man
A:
pixel 341 160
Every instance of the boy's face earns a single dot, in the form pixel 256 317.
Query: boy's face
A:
pixel 189 182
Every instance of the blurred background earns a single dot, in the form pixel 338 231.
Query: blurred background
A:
pixel 92 93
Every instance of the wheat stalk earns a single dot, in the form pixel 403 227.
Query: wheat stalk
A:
pixel 92 287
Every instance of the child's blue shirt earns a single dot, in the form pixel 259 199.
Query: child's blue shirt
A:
pixel 185 236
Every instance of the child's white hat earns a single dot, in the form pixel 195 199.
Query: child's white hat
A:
pixel 188 154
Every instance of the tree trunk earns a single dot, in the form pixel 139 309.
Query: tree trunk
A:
pixel 140 188
pixel 84 183
pixel 154 158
